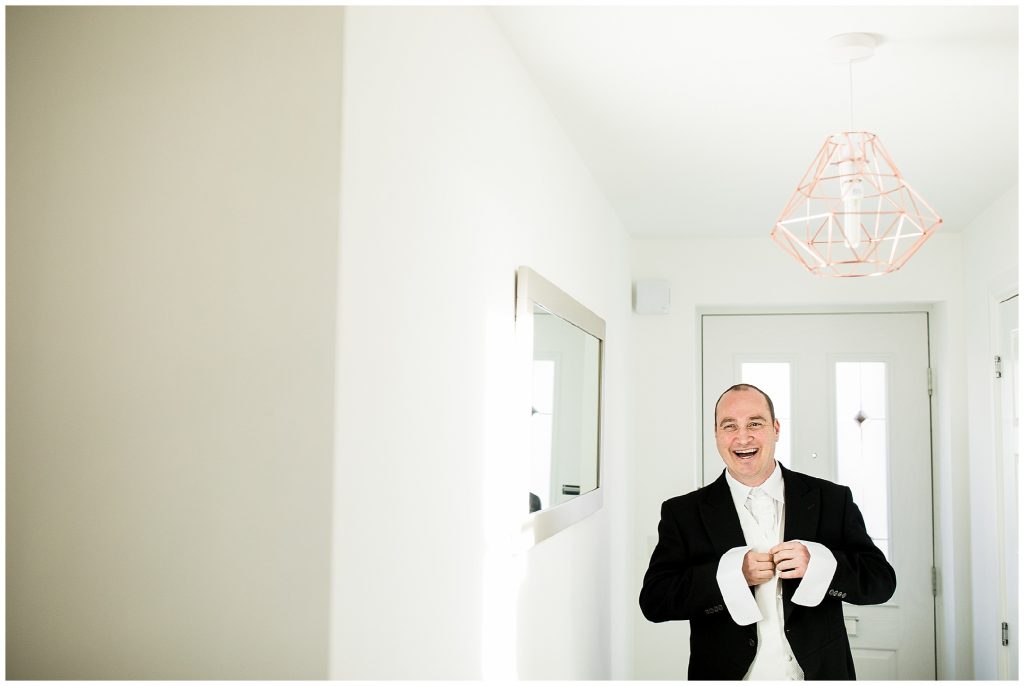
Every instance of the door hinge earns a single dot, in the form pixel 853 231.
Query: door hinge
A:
pixel 931 383
pixel 1006 634
pixel 935 582
pixel 998 363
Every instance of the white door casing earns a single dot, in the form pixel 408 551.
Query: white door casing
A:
pixel 891 478
pixel 1007 446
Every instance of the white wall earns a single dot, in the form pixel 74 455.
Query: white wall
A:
pixel 990 267
pixel 172 215
pixel 454 173
pixel 753 273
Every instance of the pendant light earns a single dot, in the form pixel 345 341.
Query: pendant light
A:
pixel 853 213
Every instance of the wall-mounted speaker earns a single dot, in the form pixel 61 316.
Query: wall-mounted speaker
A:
pixel 652 296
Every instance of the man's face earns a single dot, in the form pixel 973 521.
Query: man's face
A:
pixel 746 436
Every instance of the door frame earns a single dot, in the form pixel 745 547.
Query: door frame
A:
pixel 996 298
pixel 941 632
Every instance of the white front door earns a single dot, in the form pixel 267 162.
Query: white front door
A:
pixel 851 392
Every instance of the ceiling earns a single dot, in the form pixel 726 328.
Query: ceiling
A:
pixel 700 121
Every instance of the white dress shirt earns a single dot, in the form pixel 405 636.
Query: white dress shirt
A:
pixel 774 658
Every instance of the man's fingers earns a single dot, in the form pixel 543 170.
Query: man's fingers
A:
pixel 756 577
pixel 789 551
pixel 787 545
pixel 786 555
pixel 758 568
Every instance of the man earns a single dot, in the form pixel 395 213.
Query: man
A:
pixel 761 561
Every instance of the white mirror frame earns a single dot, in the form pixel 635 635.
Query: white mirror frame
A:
pixel 531 289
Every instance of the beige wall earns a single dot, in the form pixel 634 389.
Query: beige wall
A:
pixel 172 213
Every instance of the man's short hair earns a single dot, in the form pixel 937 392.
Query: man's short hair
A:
pixel 745 387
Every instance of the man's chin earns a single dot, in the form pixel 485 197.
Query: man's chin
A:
pixel 749 472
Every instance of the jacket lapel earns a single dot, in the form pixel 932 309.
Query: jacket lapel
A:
pixel 803 506
pixel 803 503
pixel 718 514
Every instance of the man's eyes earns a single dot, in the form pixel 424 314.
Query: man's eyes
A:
pixel 752 426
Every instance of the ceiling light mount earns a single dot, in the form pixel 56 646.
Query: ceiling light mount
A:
pixel 853 47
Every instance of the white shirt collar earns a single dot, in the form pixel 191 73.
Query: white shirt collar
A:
pixel 773 486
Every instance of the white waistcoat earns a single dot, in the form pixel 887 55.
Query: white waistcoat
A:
pixel 774 660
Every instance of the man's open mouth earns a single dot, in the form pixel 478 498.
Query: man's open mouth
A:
pixel 745 454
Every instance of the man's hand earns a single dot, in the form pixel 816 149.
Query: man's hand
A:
pixel 757 567
pixel 790 558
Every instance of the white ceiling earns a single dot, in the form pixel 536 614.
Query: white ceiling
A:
pixel 700 121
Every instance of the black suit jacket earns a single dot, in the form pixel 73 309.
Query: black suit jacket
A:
pixel 696 529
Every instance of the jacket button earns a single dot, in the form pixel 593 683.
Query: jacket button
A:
pixel 752 643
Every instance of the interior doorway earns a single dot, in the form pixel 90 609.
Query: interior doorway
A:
pixel 852 395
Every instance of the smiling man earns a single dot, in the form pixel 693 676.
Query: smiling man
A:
pixel 761 560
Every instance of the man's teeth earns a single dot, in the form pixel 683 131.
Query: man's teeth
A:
pixel 746 453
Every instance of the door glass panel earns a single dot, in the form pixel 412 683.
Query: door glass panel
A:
pixel 773 379
pixel 541 437
pixel 862 440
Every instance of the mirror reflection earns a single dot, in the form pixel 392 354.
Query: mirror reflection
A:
pixel 564 422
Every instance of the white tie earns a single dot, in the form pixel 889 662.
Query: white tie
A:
pixel 762 507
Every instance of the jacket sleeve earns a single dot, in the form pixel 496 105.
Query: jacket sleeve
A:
pixel 677 584
pixel 863 576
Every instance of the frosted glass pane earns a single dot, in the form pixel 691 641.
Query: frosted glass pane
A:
pixel 847 389
pixel 862 442
pixel 773 379
pixel 873 480
pixel 872 381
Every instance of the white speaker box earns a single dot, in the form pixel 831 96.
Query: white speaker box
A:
pixel 652 296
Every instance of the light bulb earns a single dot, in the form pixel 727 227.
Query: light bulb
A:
pixel 851 192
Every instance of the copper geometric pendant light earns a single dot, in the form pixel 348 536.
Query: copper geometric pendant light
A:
pixel 853 213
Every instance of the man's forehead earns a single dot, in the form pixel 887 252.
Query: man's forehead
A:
pixel 752 406
pixel 755 414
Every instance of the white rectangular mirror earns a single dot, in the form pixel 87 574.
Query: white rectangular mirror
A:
pixel 565 341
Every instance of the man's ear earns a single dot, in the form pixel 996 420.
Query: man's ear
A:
pixel 777 427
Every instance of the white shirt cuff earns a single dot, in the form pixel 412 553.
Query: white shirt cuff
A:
pixel 735 591
pixel 820 569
